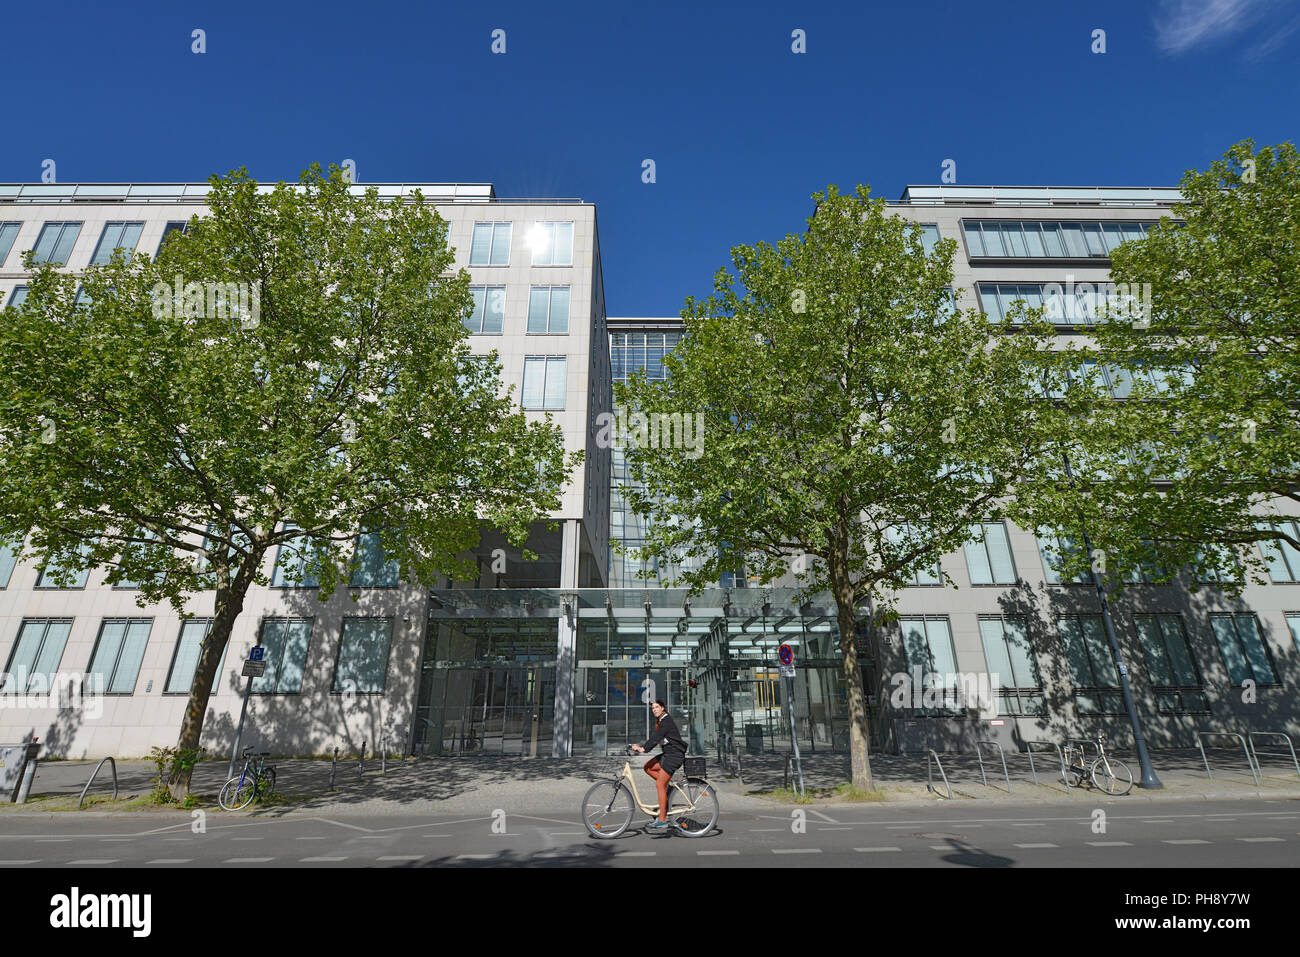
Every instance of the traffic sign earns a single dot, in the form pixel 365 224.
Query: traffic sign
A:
pixel 254 669
pixel 785 656
pixel 257 654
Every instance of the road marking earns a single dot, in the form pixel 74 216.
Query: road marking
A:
pixel 246 838
pixel 828 820
pixel 717 853
pixel 1260 840
pixel 1158 820
pixel 901 827
pixel 89 862
pixel 834 828
pixel 1283 815
pixel 1195 840
pixel 171 860
pixel 474 857
pixel 35 861
pixel 1019 824
pixel 796 850
pixel 968 825
pixel 371 837
pixel 315 860
pixel 870 850
pixel 636 853
pixel 757 830
pixel 1217 818
pixel 115 840
pixel 1108 843
pixel 53 840
pixel 311 839
pixel 401 857
pixel 248 860
pixel 567 833
pixel 177 839
pixel 941 847
pixel 1027 846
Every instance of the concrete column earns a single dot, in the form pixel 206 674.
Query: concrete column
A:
pixel 566 644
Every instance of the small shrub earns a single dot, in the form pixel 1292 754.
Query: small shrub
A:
pixel 170 761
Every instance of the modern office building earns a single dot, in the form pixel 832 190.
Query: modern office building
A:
pixel 560 656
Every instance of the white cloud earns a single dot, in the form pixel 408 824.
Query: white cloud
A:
pixel 1182 25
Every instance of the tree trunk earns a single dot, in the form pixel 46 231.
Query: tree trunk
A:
pixel 859 731
pixel 229 603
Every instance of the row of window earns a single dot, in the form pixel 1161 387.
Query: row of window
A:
pixel 361 664
pixel 1171 667
pixel 551 244
pixel 548 310
pixel 1055 240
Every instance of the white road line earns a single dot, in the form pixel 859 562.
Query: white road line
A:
pixel 248 860
pixel 246 839
pixel 769 830
pixel 796 850
pixel 1287 816
pixel 1216 818
pixel 171 860
pixel 115 840
pixel 901 827
pixel 91 861
pixel 941 847
pixel 871 850
pixel 1027 846
pixel 53 840
pixel 1158 820
pixel 401 857
pixel 311 838
pixel 1108 843
pixel 968 825
pixel 1260 840
pixel 828 820
pixel 834 828
pixel 34 861
pixel 636 853
pixel 1019 824
pixel 717 853
pixel 474 857
pixel 316 860
pixel 1196 840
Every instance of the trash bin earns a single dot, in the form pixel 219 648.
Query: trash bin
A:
pixel 14 759
pixel 754 738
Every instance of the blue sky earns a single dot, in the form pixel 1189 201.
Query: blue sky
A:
pixel 741 129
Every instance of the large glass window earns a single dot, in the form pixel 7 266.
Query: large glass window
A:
pixel 1282 558
pixel 490 245
pixel 1035 239
pixel 1293 622
pixel 1092 667
pixel 363 655
pixel 115 662
pixel 371 566
pixel 293 565
pixel 185 658
pixel 54 245
pixel 35 657
pixel 489 312
pixel 52 576
pixel 8 233
pixel 1244 650
pixel 285 641
pixel 1055 551
pixel 552 244
pixel 899 535
pixel 1012 667
pixel 544 383
pixel 927 642
pixel 116 236
pixel 143 552
pixel 18 296
pixel 548 309
pixel 173 229
pixel 988 557
pixel 8 559
pixel 1170 666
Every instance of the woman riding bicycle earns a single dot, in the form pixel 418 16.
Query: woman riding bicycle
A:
pixel 662 767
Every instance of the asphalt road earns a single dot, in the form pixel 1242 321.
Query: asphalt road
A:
pixel 1246 833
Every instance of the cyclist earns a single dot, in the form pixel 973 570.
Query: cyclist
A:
pixel 662 767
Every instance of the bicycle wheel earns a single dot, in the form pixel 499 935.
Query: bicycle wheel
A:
pixel 1075 776
pixel 607 809
pixel 267 785
pixel 693 807
pixel 1112 776
pixel 238 792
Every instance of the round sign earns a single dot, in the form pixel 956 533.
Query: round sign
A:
pixel 786 655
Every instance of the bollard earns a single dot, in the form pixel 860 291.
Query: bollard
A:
pixel 361 762
pixel 383 754
pixel 29 775
pixel 333 767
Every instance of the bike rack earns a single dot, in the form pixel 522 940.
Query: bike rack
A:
pixel 1250 736
pixel 931 760
pixel 1029 750
pixel 992 744
pixel 1245 748
pixel 113 765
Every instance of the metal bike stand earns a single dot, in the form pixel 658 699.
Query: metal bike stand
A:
pixel 931 760
pixel 1029 750
pixel 992 744
pixel 1245 749
pixel 112 764
pixel 1250 736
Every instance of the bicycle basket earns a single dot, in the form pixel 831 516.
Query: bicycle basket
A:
pixel 693 767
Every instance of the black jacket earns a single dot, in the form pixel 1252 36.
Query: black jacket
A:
pixel 666 731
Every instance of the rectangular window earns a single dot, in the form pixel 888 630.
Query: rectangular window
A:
pixel 927 642
pixel 988 557
pixel 144 553
pixel 118 653
pixel 552 244
pixel 293 568
pixel 363 655
pixel 490 245
pixel 116 236
pixel 171 229
pixel 1244 650
pixel 8 559
pixel 1170 666
pixel 18 296
pixel 185 658
pixel 1216 563
pixel 51 576
pixel 1054 550
pixel 544 383
pixel 372 568
pixel 1282 558
pixel 36 655
pixel 899 535
pixel 1012 667
pixel 8 233
pixel 1293 622
pixel 489 312
pixel 54 244
pixel 974 241
pixel 285 641
pixel 1092 667
pixel 929 236
pixel 548 309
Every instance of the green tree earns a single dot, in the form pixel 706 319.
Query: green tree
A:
pixel 1202 460
pixel 293 369
pixel 856 425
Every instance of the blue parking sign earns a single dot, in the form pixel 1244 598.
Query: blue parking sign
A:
pixel 257 654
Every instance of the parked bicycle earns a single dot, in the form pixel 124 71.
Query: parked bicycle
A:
pixel 1106 773
pixel 257 779
pixel 692 802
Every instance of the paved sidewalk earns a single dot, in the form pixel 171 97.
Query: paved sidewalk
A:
pixel 480 784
